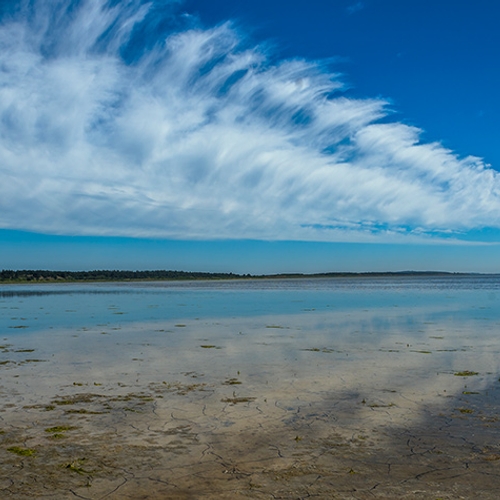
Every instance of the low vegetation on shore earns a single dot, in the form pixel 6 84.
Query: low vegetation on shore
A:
pixel 41 276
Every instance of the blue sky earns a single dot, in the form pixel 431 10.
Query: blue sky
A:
pixel 250 136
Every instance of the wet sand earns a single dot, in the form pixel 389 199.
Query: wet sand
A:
pixel 316 422
pixel 197 442
pixel 253 407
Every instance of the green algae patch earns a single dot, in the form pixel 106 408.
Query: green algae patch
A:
pixel 377 405
pixel 182 389
pixel 232 381
pixel 58 435
pixel 61 428
pixel 78 398
pixel 83 411
pixel 317 349
pixel 465 373
pixel 76 466
pixel 133 395
pixel 237 400
pixel 22 452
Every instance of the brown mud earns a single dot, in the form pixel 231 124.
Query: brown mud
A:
pixel 192 439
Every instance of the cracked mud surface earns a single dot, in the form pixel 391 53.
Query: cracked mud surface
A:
pixel 260 407
pixel 195 439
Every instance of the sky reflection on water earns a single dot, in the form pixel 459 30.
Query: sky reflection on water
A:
pixel 357 330
pixel 37 307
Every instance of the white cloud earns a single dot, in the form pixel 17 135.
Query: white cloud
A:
pixel 196 135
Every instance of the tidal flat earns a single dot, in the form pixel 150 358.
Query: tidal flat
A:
pixel 326 388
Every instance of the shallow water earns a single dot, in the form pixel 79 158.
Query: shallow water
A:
pixel 348 388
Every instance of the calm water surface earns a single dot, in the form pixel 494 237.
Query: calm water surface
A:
pixel 390 329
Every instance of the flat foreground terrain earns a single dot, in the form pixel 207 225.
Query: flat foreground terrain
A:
pixel 236 439
pixel 149 393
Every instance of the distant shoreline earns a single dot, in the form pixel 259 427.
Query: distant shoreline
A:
pixel 45 276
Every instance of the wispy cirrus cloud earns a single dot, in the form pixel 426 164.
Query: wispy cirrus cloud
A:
pixel 124 119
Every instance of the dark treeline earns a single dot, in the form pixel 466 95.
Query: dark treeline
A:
pixel 108 275
pixel 10 276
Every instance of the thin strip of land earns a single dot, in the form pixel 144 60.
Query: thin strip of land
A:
pixel 49 276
